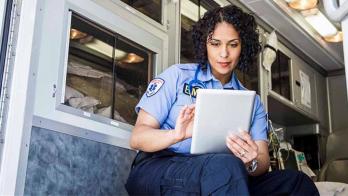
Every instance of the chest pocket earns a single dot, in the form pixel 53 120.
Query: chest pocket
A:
pixel 183 99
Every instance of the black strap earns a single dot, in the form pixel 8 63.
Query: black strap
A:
pixel 271 47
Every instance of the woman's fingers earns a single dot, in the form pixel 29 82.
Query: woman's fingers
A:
pixel 240 142
pixel 182 112
pixel 246 137
pixel 241 148
pixel 236 152
pixel 184 122
pixel 189 112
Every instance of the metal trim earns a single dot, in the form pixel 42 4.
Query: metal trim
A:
pixel 95 117
pixel 22 68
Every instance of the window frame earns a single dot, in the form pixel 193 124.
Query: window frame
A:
pixel 3 11
pixel 289 54
pixel 78 112
pixel 52 62
pixel 5 17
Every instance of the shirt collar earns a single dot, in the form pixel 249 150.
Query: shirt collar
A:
pixel 234 83
pixel 206 75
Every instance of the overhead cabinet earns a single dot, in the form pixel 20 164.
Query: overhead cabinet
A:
pixel 292 95
pixel 304 87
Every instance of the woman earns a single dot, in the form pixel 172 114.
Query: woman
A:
pixel 224 39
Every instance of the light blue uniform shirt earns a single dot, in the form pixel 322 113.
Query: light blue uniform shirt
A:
pixel 168 93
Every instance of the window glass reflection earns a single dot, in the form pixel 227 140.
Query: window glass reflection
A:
pixel 106 73
pixel 280 75
pixel 151 8
pixel 90 67
pixel 250 77
pixel 132 75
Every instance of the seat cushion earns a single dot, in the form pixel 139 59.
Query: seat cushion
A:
pixel 332 188
pixel 337 171
pixel 337 145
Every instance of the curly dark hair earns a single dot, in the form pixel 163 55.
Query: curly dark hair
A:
pixel 244 24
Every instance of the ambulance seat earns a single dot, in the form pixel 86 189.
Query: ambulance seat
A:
pixel 335 168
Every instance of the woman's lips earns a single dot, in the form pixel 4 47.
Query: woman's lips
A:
pixel 223 64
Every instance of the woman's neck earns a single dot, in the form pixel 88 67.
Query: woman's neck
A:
pixel 223 78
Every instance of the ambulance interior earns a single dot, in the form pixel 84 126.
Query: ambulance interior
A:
pixel 90 63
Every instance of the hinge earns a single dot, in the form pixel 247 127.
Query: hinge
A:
pixel 168 23
pixel 54 90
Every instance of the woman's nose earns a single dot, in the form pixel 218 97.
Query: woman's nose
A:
pixel 223 52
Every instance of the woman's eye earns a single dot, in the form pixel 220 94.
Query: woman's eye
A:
pixel 234 45
pixel 214 43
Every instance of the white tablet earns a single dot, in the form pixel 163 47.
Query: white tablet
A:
pixel 218 113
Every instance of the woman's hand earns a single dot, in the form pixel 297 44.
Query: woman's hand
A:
pixel 184 123
pixel 243 147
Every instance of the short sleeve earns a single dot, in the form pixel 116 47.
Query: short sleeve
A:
pixel 259 126
pixel 160 94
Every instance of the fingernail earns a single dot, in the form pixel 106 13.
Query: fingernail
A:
pixel 232 135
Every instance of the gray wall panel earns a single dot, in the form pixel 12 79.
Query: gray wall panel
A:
pixel 60 164
pixel 338 102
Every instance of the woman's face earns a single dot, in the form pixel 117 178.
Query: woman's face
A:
pixel 223 51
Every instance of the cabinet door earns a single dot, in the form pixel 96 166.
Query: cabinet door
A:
pixel 304 88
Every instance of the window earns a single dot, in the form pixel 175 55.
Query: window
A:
pixel 151 8
pixel 280 75
pixel 106 73
pixel 250 77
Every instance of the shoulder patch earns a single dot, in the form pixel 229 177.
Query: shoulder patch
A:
pixel 154 86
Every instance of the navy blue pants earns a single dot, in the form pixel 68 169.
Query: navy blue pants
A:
pixel 211 174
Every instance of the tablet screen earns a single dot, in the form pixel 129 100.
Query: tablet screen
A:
pixel 218 113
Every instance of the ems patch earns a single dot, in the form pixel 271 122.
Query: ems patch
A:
pixel 186 90
pixel 154 86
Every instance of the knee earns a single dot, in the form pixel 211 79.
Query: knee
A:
pixel 224 172
pixel 222 163
pixel 300 182
pixel 294 175
pixel 304 178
